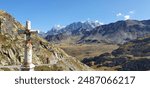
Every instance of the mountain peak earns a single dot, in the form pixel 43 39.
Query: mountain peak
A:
pixel 75 26
pixel 58 27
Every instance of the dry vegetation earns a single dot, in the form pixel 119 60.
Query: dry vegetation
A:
pixel 81 51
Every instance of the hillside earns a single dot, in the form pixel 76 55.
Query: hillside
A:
pixel 44 54
pixel 117 33
pixel 132 56
pixel 81 51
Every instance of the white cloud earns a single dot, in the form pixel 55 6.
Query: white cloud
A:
pixel 119 14
pixel 127 17
pixel 131 12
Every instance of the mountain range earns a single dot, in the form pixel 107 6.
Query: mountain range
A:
pixel 93 32
pixel 76 26
pixel 131 36
pixel 71 32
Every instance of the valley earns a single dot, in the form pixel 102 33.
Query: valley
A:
pixel 79 46
pixel 81 51
pixel 131 56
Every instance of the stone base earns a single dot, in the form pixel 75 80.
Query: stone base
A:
pixel 29 67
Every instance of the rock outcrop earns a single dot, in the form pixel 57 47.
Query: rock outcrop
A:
pixel 12 48
pixel 131 56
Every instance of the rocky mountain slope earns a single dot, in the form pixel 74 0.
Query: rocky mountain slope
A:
pixel 118 32
pixel 132 56
pixel 71 33
pixel 12 48
pixel 76 26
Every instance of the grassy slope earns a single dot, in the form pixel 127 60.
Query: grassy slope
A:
pixel 81 51
pixel 12 49
pixel 132 56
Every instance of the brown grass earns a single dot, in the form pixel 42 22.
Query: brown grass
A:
pixel 81 51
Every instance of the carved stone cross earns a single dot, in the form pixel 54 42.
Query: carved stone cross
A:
pixel 27 64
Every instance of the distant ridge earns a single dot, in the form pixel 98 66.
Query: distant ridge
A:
pixel 92 32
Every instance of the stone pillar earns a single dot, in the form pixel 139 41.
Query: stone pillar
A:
pixel 28 65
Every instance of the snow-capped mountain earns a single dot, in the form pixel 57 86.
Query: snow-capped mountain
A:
pixel 91 32
pixel 72 31
pixel 76 26
pixel 55 30
pixel 88 25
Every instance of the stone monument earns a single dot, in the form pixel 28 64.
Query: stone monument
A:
pixel 27 64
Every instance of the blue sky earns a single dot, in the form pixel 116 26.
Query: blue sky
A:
pixel 46 13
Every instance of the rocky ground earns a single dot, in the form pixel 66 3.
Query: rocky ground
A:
pixel 12 48
pixel 131 56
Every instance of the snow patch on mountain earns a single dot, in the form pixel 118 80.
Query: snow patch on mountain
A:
pixel 87 25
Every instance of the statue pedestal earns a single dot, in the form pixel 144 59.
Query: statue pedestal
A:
pixel 29 67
